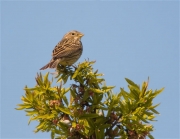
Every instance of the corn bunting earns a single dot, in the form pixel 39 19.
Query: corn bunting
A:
pixel 67 51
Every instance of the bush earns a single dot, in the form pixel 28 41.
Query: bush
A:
pixel 93 111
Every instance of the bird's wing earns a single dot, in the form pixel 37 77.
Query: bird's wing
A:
pixel 65 48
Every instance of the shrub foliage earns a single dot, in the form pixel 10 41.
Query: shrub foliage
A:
pixel 88 109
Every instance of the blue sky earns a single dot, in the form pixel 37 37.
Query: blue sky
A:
pixel 132 39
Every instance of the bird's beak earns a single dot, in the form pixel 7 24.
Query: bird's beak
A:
pixel 80 35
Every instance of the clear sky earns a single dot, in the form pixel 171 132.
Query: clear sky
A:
pixel 132 39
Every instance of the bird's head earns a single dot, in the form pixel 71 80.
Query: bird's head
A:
pixel 74 35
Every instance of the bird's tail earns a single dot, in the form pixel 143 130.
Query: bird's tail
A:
pixel 51 64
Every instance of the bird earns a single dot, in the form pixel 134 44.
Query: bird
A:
pixel 67 51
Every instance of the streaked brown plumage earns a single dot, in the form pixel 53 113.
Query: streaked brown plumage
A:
pixel 67 51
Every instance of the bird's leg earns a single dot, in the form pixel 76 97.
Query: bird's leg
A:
pixel 74 66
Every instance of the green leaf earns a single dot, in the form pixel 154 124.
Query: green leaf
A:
pixel 20 108
pixel 151 117
pixel 46 79
pixel 39 80
pixel 72 91
pixel 103 108
pixel 30 89
pixel 76 73
pixel 99 98
pixel 144 120
pixel 131 96
pixel 62 92
pixel 59 132
pixel 65 100
pixel 63 126
pixel 96 90
pixel 157 92
pixel 52 134
pixel 66 90
pixel 59 79
pixel 101 120
pixel 45 116
pixel 74 124
pixel 153 110
pixel 152 107
pixel 107 88
pixel 40 125
pixel 88 116
pixel 104 126
pixel 136 111
pixel 25 99
pixel 80 79
pixel 124 95
pixel 148 93
pixel 132 83
pixel 65 110
pixel 134 92
pixel 24 106
pixel 149 102
pixel 148 113
pixel 30 119
pixel 91 123
pixel 99 134
pixel 150 136
pixel 29 113
pixel 85 96
pixel 99 80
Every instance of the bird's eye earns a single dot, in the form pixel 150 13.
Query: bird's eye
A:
pixel 72 33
